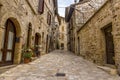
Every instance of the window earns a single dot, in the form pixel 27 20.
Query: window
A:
pixel 41 6
pixel 48 18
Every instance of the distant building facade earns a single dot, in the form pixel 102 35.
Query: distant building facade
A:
pixel 63 34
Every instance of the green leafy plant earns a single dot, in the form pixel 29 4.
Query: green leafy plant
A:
pixel 27 53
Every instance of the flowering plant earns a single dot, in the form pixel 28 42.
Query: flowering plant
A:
pixel 27 53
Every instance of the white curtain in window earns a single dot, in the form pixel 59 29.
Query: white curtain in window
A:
pixel 8 58
pixel 10 40
pixel 10 46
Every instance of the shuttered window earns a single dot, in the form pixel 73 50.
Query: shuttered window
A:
pixel 41 6
pixel 48 18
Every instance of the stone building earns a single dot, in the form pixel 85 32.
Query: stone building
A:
pixel 76 15
pixel 25 23
pixel 63 34
pixel 55 33
pixel 48 22
pixel 98 37
pixel 69 18
pixel 100 43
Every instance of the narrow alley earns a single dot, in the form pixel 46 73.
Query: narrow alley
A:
pixel 59 39
pixel 47 66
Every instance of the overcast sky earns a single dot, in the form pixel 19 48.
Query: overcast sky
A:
pixel 63 3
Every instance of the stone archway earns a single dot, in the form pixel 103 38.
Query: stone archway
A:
pixel 37 39
pixel 17 40
pixel 37 44
pixel 78 46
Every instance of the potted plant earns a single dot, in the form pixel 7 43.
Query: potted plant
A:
pixel 27 55
pixel 33 51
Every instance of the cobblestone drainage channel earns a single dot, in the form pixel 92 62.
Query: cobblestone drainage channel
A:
pixel 60 74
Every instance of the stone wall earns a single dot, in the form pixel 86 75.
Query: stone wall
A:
pixel 46 30
pixel 116 29
pixel 85 9
pixel 92 39
pixel 24 13
pixel 20 13
pixel 56 32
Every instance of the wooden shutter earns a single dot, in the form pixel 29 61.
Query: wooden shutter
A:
pixel 48 18
pixel 41 6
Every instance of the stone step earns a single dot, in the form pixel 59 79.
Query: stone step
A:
pixel 6 68
pixel 112 71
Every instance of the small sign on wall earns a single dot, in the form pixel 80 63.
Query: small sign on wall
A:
pixel 17 39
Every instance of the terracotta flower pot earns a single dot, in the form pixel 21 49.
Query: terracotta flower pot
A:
pixel 27 60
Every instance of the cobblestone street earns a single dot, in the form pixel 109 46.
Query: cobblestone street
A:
pixel 46 67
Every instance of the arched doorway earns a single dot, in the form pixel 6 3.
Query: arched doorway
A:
pixel 8 43
pixel 18 38
pixel 37 39
pixel 78 46
pixel 37 44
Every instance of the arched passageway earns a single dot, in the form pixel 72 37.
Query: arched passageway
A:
pixel 37 44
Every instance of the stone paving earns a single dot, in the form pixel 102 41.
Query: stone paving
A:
pixel 6 68
pixel 46 67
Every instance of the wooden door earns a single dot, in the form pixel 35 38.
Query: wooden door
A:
pixel 9 44
pixel 78 46
pixel 47 44
pixel 62 46
pixel 36 39
pixel 109 45
pixel 36 43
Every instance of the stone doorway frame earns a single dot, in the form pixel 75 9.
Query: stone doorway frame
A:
pixel 37 43
pixel 18 44
pixel 104 41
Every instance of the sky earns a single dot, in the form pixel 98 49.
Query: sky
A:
pixel 63 3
